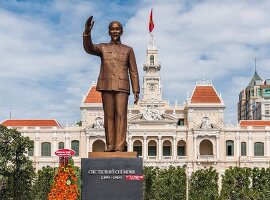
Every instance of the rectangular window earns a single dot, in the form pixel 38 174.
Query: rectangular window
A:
pixel 266 92
pixel 258 149
pixel 229 148
pixel 181 122
pixel 180 150
pixel 267 112
pixel 75 146
pixel 31 150
pixel 45 149
pixel 138 149
pixel 61 145
pixel 243 149
pixel 230 152
pixel 152 151
pixel 259 91
pixel 166 151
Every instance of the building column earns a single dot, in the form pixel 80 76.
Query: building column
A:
pixel 87 144
pixel 130 149
pixel 189 171
pixel 214 148
pixel 54 147
pixel 195 148
pixel 249 144
pixel 91 145
pixel 36 149
pixel 267 137
pixel 159 148
pixel 67 140
pixel 144 147
pixel 222 172
pixel 237 154
pixel 218 147
pixel 187 184
pixel 174 148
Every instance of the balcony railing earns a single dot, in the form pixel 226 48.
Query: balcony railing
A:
pixel 230 157
pixel 181 157
pixel 206 157
pixel 166 157
pixel 152 157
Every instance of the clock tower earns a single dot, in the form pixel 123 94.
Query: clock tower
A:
pixel 152 89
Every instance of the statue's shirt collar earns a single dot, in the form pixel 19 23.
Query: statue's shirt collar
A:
pixel 113 43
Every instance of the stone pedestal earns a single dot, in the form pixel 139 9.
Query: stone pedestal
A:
pixel 112 154
pixel 107 176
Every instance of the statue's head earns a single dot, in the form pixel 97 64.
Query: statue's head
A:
pixel 115 31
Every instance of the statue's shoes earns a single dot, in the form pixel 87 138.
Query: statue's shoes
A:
pixel 109 150
pixel 118 150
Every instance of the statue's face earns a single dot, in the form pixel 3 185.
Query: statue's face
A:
pixel 115 31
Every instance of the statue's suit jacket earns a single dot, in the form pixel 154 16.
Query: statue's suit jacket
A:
pixel 118 66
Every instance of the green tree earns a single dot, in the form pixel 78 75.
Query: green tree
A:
pixel 77 171
pixel 79 123
pixel 149 179
pixel 16 170
pixel 260 183
pixel 65 184
pixel 170 184
pixel 43 183
pixel 236 184
pixel 204 184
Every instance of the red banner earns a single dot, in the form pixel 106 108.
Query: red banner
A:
pixel 134 177
pixel 64 152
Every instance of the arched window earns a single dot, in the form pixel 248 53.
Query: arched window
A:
pixel 258 149
pixel 243 148
pixel 61 145
pixel 181 148
pixel 166 148
pixel 152 60
pixel 137 146
pixel 229 148
pixel 152 148
pixel 45 149
pixel 75 146
pixel 31 150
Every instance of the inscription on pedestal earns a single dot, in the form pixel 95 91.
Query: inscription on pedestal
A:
pixel 112 179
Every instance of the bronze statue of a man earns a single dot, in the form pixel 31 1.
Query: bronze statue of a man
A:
pixel 118 65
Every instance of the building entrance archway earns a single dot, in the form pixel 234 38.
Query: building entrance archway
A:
pixel 98 146
pixel 206 147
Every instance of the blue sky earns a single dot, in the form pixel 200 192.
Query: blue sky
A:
pixel 45 71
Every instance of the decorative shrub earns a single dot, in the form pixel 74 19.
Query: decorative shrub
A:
pixel 65 184
pixel 204 184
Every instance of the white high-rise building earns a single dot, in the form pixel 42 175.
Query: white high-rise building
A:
pixel 254 100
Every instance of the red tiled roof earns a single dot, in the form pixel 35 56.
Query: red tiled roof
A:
pixel 205 94
pixel 93 96
pixel 34 122
pixel 254 123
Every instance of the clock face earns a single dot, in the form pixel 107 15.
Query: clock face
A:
pixel 152 87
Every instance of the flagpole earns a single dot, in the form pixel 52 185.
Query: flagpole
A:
pixel 10 111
